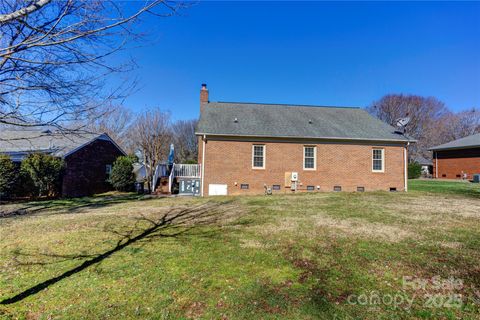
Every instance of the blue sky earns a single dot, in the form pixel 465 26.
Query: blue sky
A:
pixel 319 53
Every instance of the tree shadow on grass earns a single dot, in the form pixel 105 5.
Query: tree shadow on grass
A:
pixel 69 205
pixel 172 224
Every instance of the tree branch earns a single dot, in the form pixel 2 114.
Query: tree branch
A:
pixel 4 18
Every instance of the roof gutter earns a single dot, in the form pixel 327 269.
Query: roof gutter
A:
pixel 454 148
pixel 204 139
pixel 405 172
pixel 304 138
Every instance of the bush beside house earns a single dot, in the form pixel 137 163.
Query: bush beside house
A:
pixel 8 175
pixel 122 177
pixel 45 171
pixel 414 170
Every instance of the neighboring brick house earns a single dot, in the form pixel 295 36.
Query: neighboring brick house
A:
pixel 457 159
pixel 245 148
pixel 88 157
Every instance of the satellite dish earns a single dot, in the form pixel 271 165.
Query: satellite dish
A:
pixel 401 123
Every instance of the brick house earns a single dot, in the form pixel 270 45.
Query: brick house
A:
pixel 457 159
pixel 248 148
pixel 88 157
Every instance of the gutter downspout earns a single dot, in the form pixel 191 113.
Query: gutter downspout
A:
pixel 406 167
pixel 204 138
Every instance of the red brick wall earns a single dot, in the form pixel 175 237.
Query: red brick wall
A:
pixel 85 169
pixel 453 163
pixel 345 165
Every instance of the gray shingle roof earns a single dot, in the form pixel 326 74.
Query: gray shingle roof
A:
pixel 422 160
pixel 293 121
pixel 18 143
pixel 472 141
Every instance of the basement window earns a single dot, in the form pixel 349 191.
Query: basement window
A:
pixel 444 175
pixel 276 187
pixel 337 188
pixel 459 176
pixel 360 189
pixel 392 189
pixel 311 188
pixel 244 186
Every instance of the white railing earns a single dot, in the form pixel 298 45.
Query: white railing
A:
pixel 178 170
pixel 155 178
pixel 170 181
pixel 186 170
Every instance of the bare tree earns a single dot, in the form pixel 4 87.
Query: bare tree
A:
pixel 467 123
pixel 114 120
pixel 432 123
pixel 151 134
pixel 53 56
pixel 185 141
pixel 424 112
pixel 421 110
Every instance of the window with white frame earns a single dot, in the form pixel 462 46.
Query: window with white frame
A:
pixel 258 156
pixel 309 157
pixel 108 169
pixel 378 160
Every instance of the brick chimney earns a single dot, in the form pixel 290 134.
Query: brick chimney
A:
pixel 203 97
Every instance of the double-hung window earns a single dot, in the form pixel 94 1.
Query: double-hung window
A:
pixel 258 156
pixel 309 157
pixel 378 160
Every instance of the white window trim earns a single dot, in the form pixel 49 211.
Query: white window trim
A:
pixel 383 160
pixel 264 156
pixel 314 158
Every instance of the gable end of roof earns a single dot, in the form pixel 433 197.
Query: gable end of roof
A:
pixel 103 136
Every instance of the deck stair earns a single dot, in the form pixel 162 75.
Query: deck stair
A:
pixel 165 177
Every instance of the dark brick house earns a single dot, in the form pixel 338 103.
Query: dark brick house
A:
pixel 457 159
pixel 250 148
pixel 88 156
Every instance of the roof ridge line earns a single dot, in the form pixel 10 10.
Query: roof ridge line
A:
pixel 287 104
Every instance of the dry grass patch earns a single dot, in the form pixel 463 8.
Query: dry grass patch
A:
pixel 252 243
pixel 365 229
pixel 436 208
pixel 451 244
pixel 308 227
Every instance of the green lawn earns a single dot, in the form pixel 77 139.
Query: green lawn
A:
pixel 306 256
pixel 462 188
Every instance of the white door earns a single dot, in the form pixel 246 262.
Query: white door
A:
pixel 217 189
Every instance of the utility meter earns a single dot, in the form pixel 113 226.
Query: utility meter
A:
pixel 294 176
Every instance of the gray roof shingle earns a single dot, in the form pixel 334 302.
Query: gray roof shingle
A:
pixel 472 141
pixel 18 143
pixel 422 160
pixel 293 121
